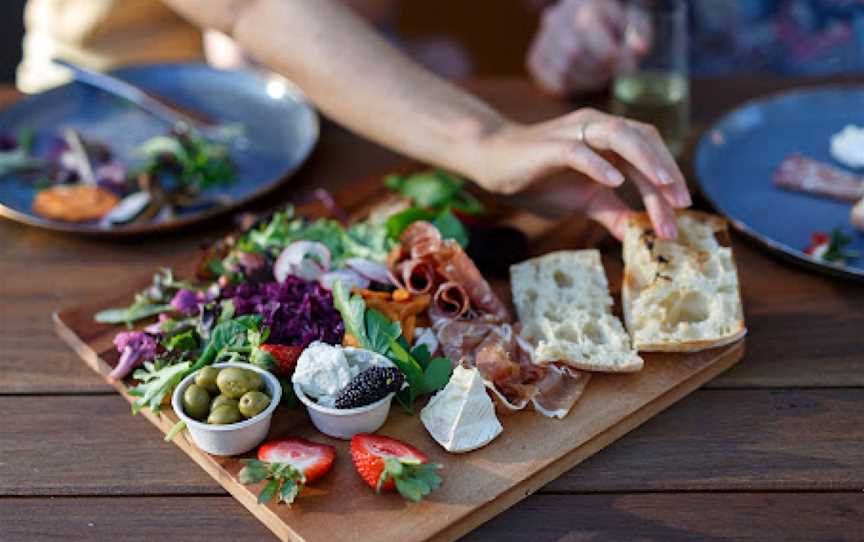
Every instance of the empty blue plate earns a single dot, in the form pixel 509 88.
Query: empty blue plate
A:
pixel 737 157
pixel 280 127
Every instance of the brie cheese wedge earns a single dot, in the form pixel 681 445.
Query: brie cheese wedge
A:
pixel 461 417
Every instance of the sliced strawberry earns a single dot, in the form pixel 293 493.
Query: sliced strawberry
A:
pixel 288 465
pixel 386 463
pixel 281 360
pixel 311 459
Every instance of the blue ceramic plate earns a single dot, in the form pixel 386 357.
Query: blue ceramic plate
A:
pixel 281 129
pixel 736 159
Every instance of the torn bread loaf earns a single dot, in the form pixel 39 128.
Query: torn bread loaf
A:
pixel 565 310
pixel 683 295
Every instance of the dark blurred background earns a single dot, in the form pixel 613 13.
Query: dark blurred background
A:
pixel 11 30
pixel 493 48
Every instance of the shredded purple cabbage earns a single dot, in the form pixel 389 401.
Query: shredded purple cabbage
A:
pixel 296 311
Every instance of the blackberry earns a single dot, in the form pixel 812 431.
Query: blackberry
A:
pixel 370 386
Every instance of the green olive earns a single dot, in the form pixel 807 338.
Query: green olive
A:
pixel 206 378
pixel 220 400
pixel 256 383
pixel 224 415
pixel 234 382
pixel 253 403
pixel 196 402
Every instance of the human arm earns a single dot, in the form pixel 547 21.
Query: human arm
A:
pixel 355 77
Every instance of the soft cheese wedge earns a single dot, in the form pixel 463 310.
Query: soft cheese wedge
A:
pixel 461 417
pixel 565 310
pixel 683 295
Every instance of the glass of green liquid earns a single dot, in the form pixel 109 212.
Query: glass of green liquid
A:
pixel 651 82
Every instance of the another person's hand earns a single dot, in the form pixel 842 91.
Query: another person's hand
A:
pixel 602 150
pixel 577 46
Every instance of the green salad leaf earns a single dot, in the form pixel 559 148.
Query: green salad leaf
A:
pixel 362 240
pixel 157 381
pixel 138 310
pixel 197 162
pixel 435 189
pixel 381 331
pixel 149 302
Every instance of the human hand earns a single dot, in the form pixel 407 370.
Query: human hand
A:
pixel 580 43
pixel 602 150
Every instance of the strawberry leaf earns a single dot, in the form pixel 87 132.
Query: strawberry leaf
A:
pixel 409 489
pixel 289 491
pixel 269 491
pixel 254 472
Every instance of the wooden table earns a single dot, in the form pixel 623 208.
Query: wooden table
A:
pixel 774 449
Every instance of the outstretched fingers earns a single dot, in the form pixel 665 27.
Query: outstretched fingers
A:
pixel 659 210
pixel 608 209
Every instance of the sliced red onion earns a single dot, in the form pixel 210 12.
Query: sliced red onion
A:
pixel 305 259
pixel 372 270
pixel 349 279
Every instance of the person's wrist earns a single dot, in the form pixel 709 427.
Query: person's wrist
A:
pixel 480 149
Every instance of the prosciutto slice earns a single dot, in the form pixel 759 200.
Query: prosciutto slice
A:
pixel 416 276
pixel 422 245
pixel 504 362
pixel 803 174
pixel 451 299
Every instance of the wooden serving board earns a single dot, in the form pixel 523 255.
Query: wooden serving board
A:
pixel 532 450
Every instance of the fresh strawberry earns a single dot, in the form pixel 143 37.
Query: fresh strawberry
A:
pixel 311 459
pixel 386 463
pixel 289 464
pixel 279 359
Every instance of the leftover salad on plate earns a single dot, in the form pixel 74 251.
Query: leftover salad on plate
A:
pixel 82 180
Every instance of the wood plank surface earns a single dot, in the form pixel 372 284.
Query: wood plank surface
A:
pixel 713 440
pixel 698 517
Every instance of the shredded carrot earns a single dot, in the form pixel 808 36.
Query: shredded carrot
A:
pixel 400 306
pixel 400 294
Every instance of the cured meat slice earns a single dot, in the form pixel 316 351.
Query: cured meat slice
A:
pixel 803 174
pixel 504 362
pixel 416 276
pixel 459 339
pixel 452 263
pixel 421 239
pixel 558 390
pixel 451 299
pixel 423 261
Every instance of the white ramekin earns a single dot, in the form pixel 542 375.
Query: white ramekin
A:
pixel 234 438
pixel 345 423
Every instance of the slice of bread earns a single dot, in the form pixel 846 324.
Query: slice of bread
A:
pixel 681 296
pixel 565 310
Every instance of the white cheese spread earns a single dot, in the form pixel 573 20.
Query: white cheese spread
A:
pixel 322 371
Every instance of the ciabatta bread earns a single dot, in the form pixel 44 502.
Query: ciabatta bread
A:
pixel 565 310
pixel 683 295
